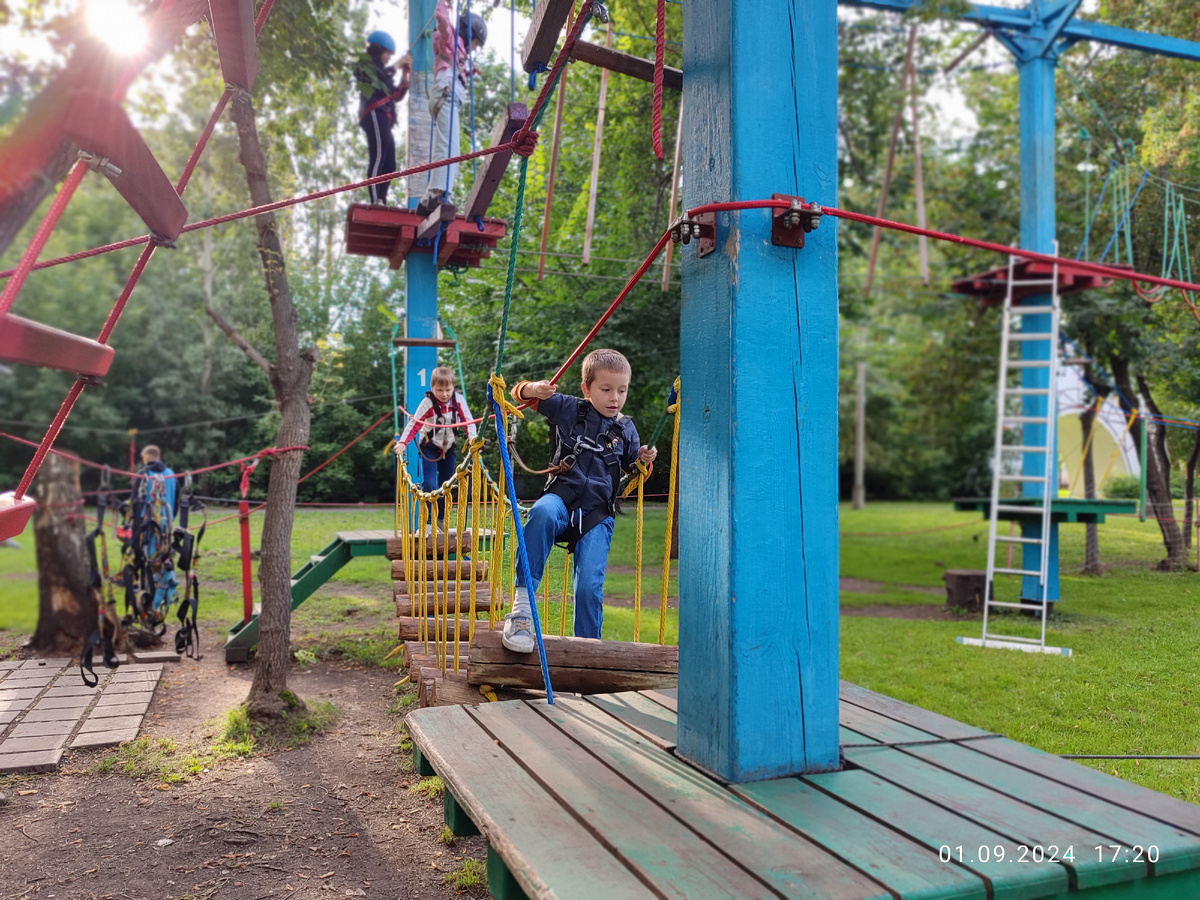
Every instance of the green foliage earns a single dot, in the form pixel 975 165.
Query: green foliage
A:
pixel 1128 487
pixel 447 836
pixel 430 788
pixel 472 873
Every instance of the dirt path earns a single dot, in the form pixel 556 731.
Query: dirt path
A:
pixel 332 818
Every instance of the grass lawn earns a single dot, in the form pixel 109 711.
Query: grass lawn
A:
pixel 1129 688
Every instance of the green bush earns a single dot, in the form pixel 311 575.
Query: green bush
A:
pixel 1129 487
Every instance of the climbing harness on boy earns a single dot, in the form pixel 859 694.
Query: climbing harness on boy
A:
pixel 582 447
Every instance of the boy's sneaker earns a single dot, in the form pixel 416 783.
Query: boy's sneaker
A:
pixel 518 633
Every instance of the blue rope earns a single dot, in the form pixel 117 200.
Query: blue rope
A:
pixel 1124 218
pixel 522 554
pixel 1096 209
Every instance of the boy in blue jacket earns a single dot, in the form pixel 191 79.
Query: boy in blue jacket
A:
pixel 595 445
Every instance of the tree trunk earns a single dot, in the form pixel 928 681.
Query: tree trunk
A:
pixel 290 375
pixel 1091 554
pixel 66 607
pixel 1189 490
pixel 1158 486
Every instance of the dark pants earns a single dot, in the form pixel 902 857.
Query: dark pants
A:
pixel 436 472
pixel 381 151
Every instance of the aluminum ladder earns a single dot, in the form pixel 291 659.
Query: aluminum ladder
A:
pixel 1008 413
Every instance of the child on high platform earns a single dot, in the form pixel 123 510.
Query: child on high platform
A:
pixel 595 445
pixel 447 90
pixel 438 419
pixel 378 96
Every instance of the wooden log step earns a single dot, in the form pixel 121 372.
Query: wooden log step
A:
pixel 437 688
pixel 456 568
pixel 416 655
pixel 405 605
pixel 409 627
pixel 395 545
pixel 581 665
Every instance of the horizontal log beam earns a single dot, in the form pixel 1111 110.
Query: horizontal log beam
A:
pixel 424 342
pixel 456 569
pixel 625 64
pixel 395 545
pixel 409 629
pixel 583 665
pixel 410 604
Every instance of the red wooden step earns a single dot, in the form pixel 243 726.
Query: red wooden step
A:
pixel 35 344
pixel 100 127
pixel 491 168
pixel 237 45
pixel 14 515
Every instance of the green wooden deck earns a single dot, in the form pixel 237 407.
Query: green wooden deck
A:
pixel 1062 509
pixel 586 799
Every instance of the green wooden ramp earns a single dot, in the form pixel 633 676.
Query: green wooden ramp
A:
pixel 346 546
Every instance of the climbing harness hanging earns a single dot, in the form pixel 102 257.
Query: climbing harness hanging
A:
pixel 187 546
pixel 108 628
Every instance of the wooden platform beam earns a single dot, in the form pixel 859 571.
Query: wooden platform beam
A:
pixel 625 64
pixel 440 343
pixel 549 17
pixel 237 43
pixel 582 665
pixel 35 344
pixel 491 168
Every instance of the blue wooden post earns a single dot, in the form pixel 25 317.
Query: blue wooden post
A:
pixel 1038 225
pixel 758 630
pixel 420 268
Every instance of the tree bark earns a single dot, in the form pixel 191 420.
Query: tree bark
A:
pixel 1091 553
pixel 66 606
pixel 290 375
pixel 1189 490
pixel 1158 483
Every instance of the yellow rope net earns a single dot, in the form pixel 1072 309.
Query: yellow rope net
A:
pixel 444 571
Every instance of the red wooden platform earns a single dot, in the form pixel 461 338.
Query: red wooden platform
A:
pixel 992 286
pixel 394 233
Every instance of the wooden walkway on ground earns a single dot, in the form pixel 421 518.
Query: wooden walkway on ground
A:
pixel 586 799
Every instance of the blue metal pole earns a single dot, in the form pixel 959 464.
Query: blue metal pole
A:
pixel 420 268
pixel 1036 89
pixel 758 624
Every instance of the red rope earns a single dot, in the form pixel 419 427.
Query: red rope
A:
pixel 369 429
pixel 25 266
pixel 660 40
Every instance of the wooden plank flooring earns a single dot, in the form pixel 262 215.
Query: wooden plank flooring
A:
pixel 587 799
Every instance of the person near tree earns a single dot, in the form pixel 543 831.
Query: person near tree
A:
pixel 438 419
pixel 595 444
pixel 378 96
pixel 447 90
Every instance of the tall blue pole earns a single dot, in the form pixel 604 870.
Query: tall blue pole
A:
pixel 420 268
pixel 758 623
pixel 1038 229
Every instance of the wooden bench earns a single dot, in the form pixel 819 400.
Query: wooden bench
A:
pixel 586 799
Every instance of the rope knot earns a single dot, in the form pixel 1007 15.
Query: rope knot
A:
pixel 525 142
pixel 500 396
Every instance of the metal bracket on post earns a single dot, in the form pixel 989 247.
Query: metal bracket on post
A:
pixel 100 164
pixel 702 227
pixel 789 226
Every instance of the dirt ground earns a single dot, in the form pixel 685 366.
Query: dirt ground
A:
pixel 332 818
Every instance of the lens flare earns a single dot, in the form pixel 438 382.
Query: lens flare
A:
pixel 118 25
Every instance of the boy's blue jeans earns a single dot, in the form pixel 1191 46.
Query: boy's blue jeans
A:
pixel 548 518
pixel 435 472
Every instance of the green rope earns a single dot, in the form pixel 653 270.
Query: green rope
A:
pixel 1092 103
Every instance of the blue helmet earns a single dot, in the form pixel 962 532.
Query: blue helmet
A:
pixel 383 39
